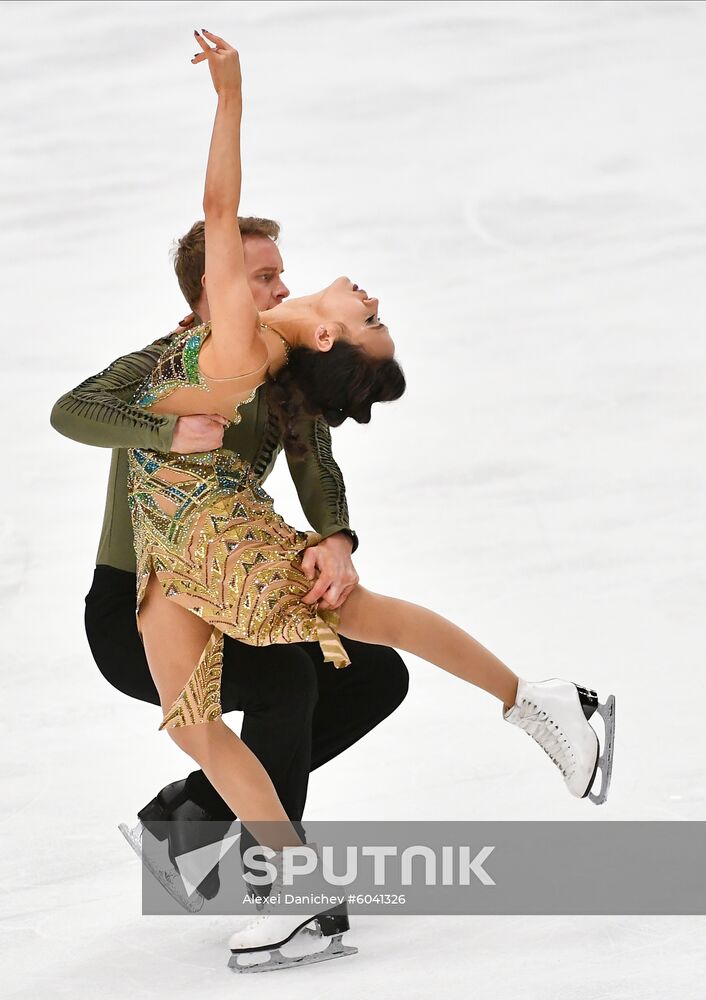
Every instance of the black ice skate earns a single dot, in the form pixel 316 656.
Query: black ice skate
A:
pixel 169 826
pixel 257 947
pixel 555 713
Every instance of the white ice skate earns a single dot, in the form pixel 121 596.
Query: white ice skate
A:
pixel 555 713
pixel 279 940
pixel 155 858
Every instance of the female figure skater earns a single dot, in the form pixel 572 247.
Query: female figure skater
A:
pixel 212 555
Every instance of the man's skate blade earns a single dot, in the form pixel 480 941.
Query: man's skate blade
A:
pixel 177 892
pixel 258 961
pixel 131 838
pixel 605 761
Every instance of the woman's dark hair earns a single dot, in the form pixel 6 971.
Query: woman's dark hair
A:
pixel 336 384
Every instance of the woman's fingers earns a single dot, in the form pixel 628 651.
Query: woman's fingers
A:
pixel 216 39
pixel 200 56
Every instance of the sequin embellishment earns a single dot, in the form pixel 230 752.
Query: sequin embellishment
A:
pixel 205 525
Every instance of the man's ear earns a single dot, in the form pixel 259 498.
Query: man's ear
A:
pixel 324 337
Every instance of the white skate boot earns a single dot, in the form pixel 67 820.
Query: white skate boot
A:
pixel 555 713
pixel 256 947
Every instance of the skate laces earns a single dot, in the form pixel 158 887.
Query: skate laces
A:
pixel 543 730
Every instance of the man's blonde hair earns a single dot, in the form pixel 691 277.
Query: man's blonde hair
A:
pixel 189 253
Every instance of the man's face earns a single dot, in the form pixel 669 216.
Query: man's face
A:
pixel 264 267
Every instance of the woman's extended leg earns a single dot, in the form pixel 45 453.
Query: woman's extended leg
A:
pixel 174 640
pixel 372 617
pixel 553 712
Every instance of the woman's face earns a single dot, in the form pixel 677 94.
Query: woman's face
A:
pixel 345 302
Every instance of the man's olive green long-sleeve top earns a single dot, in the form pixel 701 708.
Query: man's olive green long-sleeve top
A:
pixel 99 412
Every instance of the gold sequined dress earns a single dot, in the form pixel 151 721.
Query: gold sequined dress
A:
pixel 204 524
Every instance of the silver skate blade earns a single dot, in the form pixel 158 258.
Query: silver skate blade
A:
pixel 134 836
pixel 269 961
pixel 168 878
pixel 605 761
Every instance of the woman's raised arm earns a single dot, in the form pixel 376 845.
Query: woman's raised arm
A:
pixel 237 346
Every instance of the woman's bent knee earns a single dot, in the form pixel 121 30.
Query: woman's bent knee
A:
pixel 201 741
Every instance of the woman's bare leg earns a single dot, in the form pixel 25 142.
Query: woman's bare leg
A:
pixel 371 617
pixel 174 639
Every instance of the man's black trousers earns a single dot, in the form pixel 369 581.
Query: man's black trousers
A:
pixel 299 712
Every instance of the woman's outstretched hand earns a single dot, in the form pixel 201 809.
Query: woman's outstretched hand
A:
pixel 223 62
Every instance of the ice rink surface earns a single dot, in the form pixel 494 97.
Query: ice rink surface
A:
pixel 523 185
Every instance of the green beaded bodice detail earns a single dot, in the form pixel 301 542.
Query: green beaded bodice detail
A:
pixel 178 366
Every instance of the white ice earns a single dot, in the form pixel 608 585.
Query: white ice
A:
pixel 524 187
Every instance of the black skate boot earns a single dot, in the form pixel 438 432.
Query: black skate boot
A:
pixel 155 815
pixel 171 825
pixel 191 827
